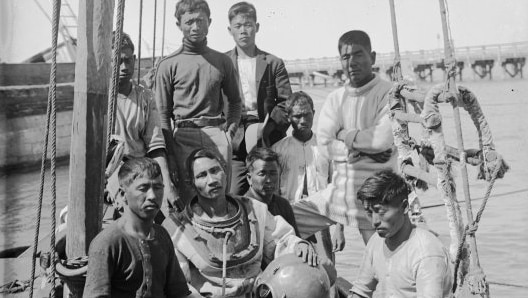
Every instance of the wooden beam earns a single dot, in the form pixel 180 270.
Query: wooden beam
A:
pixel 92 76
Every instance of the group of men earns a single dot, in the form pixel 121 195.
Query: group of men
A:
pixel 189 145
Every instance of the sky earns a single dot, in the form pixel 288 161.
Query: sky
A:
pixel 291 29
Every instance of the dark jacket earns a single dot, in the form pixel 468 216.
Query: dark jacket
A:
pixel 273 90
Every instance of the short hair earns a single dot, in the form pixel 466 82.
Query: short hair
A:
pixel 242 8
pixel 385 186
pixel 126 41
pixel 138 167
pixel 355 37
pixel 184 6
pixel 201 153
pixel 298 97
pixel 260 153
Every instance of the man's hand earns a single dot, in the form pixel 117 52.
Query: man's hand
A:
pixel 338 239
pixel 381 157
pixel 231 130
pixel 239 288
pixel 306 252
pixel 173 197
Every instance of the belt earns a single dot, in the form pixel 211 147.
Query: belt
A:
pixel 199 122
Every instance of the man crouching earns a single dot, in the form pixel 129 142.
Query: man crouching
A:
pixel 221 239
pixel 133 257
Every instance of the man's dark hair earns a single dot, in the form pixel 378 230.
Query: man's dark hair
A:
pixel 201 153
pixel 298 97
pixel 355 37
pixel 184 6
pixel 385 186
pixel 242 8
pixel 137 167
pixel 260 153
pixel 126 41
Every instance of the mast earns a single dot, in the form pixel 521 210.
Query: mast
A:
pixel 88 146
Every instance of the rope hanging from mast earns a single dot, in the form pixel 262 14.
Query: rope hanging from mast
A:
pixel 163 31
pixel 51 123
pixel 116 64
pixel 154 34
pixel 139 40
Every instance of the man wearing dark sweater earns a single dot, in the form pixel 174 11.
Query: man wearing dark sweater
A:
pixel 189 86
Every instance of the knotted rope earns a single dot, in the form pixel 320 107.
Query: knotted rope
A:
pixel 476 277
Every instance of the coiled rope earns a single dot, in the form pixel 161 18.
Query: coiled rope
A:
pixel 51 121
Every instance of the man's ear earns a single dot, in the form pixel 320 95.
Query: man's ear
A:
pixel 210 21
pixel 257 26
pixel 405 206
pixel 248 177
pixel 178 25
pixel 121 193
pixel 229 30
pixel 373 57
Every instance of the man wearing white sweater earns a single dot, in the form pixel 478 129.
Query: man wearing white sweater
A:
pixel 354 121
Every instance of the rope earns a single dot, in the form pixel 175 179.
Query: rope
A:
pixel 472 228
pixel 51 120
pixel 228 233
pixel 139 41
pixel 116 63
pixel 154 34
pixel 163 34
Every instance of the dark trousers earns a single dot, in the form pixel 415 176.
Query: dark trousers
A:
pixel 239 183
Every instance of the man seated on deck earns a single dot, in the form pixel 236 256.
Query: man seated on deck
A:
pixel 137 123
pixel 354 120
pixel 218 232
pixel 304 170
pixel 263 178
pixel 133 257
pixel 189 86
pixel 264 85
pixel 401 260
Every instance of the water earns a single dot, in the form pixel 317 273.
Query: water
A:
pixel 502 237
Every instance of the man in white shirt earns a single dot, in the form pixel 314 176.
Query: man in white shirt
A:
pixel 264 87
pixel 401 260
pixel 304 170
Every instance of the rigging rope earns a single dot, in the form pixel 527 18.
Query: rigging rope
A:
pixel 116 63
pixel 163 31
pixel 139 40
pixel 154 34
pixel 51 120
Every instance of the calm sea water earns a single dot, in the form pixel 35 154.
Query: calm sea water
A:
pixel 502 237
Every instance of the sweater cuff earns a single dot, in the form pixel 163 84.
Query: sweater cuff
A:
pixel 348 136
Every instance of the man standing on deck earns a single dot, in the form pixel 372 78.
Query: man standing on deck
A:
pixel 354 122
pixel 137 122
pixel 189 85
pixel 401 260
pixel 264 87
pixel 133 257
pixel 304 170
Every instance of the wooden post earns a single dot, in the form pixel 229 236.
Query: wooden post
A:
pixel 88 146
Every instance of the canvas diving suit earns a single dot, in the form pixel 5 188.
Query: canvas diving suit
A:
pixel 253 235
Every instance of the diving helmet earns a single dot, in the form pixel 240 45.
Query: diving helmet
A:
pixel 289 277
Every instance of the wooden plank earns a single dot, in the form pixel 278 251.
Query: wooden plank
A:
pixel 34 73
pixel 22 101
pixel 92 77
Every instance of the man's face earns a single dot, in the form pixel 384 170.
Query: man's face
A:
pixel 263 178
pixel 357 63
pixel 126 65
pixel 209 178
pixel 194 25
pixel 387 219
pixel 301 117
pixel 243 29
pixel 144 196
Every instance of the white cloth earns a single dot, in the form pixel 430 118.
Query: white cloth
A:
pixel 297 159
pixel 247 74
pixel 419 267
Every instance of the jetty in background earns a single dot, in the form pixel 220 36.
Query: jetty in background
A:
pixel 24 89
